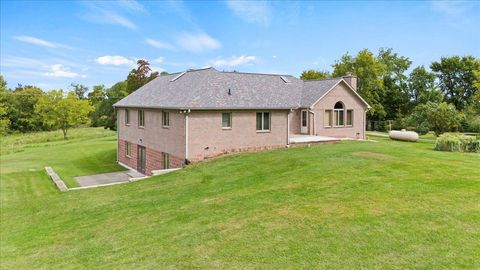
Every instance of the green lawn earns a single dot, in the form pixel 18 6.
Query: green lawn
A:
pixel 351 205
pixel 88 151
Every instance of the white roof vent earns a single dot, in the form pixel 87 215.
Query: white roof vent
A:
pixel 180 75
pixel 285 79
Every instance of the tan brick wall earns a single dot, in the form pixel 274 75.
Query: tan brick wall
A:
pixel 295 122
pixel 206 138
pixel 153 136
pixel 351 101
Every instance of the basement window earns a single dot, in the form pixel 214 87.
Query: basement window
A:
pixel 263 121
pixel 166 161
pixel 128 149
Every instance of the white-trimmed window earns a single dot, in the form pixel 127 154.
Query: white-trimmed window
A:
pixel 127 117
pixel 349 118
pixel 141 118
pixel 327 120
pixel 304 118
pixel 165 119
pixel 263 121
pixel 339 114
pixel 226 120
pixel 128 149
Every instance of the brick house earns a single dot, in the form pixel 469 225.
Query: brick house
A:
pixel 193 115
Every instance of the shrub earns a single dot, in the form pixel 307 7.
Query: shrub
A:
pixel 457 143
pixel 473 123
pixel 399 123
pixel 422 129
pixel 469 144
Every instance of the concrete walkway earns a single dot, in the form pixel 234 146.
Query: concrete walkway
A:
pixel 102 179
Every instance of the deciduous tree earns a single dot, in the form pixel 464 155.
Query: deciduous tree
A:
pixel 106 110
pixel 22 109
pixel 422 87
pixel 395 99
pixel 457 77
pixel 439 118
pixel 4 101
pixel 312 74
pixel 140 76
pixel 369 71
pixel 60 111
pixel 96 97
pixel 80 90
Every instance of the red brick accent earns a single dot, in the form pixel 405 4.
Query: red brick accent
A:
pixel 154 158
pixel 122 154
pixel 234 150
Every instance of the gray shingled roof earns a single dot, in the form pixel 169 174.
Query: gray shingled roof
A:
pixel 209 89
pixel 313 90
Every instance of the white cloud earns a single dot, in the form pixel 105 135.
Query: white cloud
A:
pixel 106 13
pixel 39 42
pixel 21 62
pixel 131 5
pixel 158 60
pixel 158 44
pixel 197 42
pixel 58 70
pixel 252 12
pixel 234 61
pixel 114 18
pixel 449 7
pixel 115 60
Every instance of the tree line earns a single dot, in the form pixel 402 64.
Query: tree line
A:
pixel 445 97
pixel 29 108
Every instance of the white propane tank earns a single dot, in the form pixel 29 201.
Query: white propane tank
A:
pixel 403 135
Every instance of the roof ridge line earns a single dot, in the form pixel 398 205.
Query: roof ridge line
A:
pixel 329 79
pixel 253 73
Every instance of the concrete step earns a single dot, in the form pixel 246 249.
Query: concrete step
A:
pixel 135 174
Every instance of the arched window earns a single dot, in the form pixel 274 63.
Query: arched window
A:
pixel 339 114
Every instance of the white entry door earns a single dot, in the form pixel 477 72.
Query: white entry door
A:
pixel 304 121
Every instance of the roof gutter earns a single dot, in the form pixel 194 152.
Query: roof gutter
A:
pixel 205 108
pixel 365 123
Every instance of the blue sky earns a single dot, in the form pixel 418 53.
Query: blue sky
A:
pixel 51 44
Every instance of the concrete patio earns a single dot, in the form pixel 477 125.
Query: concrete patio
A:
pixel 108 178
pixel 300 139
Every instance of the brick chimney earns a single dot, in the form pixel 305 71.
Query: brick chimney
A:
pixel 350 79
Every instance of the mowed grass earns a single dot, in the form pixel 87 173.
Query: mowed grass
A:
pixel 87 151
pixel 351 205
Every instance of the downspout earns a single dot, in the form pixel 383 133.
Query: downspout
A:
pixel 118 133
pixel 186 112
pixel 288 126
pixel 314 126
pixel 365 123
